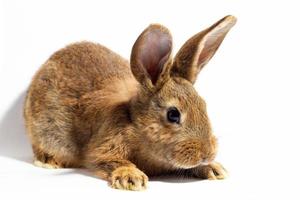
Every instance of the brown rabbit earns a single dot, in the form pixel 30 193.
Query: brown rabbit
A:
pixel 88 107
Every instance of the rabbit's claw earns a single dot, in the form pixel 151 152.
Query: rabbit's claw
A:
pixel 212 171
pixel 128 178
pixel 46 165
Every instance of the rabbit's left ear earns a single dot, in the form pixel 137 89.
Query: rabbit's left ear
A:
pixel 151 56
pixel 199 49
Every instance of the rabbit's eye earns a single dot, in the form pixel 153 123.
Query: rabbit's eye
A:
pixel 173 115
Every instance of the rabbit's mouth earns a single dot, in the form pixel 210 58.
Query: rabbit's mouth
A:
pixel 186 154
pixel 190 154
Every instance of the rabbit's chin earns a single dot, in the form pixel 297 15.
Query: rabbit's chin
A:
pixel 204 163
pixel 185 166
pixel 189 166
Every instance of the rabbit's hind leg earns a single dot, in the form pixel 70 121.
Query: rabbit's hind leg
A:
pixel 44 160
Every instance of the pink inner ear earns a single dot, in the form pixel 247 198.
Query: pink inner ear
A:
pixel 154 52
pixel 211 45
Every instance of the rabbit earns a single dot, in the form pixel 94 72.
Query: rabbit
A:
pixel 87 107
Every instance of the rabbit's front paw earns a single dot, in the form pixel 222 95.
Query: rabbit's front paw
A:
pixel 212 171
pixel 129 178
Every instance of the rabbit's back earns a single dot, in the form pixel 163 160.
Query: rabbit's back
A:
pixel 85 66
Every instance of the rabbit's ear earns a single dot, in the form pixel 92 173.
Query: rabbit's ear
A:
pixel 199 49
pixel 150 56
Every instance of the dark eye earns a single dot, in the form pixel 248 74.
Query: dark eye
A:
pixel 173 115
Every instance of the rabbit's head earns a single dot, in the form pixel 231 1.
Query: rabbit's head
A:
pixel 169 115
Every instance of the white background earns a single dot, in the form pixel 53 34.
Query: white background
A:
pixel 251 87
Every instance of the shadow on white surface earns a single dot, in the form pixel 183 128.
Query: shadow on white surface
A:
pixel 13 140
pixel 173 179
pixel 78 171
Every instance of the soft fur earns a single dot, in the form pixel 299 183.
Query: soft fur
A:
pixel 88 107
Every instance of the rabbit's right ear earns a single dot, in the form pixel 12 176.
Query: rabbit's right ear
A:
pixel 151 56
pixel 199 49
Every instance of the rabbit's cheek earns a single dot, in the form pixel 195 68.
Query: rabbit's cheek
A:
pixel 157 134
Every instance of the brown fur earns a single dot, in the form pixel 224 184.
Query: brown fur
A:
pixel 88 107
